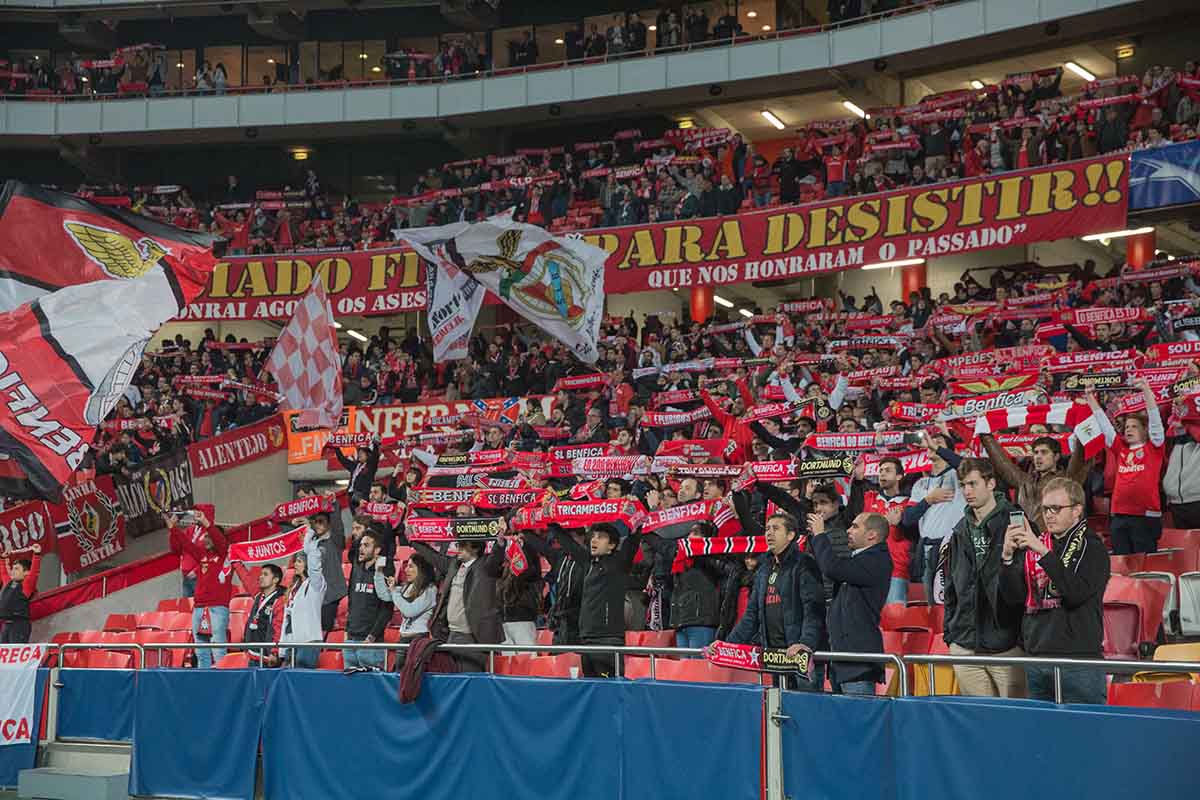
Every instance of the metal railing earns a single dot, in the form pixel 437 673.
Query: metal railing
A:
pixel 1109 667
pixel 726 41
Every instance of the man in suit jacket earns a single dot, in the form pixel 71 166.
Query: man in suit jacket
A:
pixel 860 587
pixel 467 611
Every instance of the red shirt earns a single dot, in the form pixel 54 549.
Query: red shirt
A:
pixel 214 587
pixel 899 547
pixel 835 169
pixel 1139 470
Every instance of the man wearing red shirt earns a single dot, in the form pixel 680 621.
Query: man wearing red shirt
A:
pixel 210 615
pixel 1139 455
pixel 835 173
pixel 890 503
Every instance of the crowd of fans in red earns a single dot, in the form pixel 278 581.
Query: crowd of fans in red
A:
pixel 637 177
pixel 730 411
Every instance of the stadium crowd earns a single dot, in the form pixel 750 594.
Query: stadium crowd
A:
pixel 636 177
pixel 689 437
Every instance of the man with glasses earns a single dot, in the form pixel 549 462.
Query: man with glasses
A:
pixel 1059 577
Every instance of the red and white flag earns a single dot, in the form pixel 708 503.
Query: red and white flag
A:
pixel 305 361
pixel 1077 416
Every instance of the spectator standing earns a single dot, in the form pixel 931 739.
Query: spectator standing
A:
pixel 636 32
pixel 362 469
pixel 1139 453
pixel 467 611
pixel 574 42
pixel 602 602
pixel 414 599
pixel 305 596
pixel 1043 468
pixel 1181 481
pixel 616 36
pixel 331 539
pixel 787 173
pixel 1060 577
pixel 979 621
pixel 368 608
pixel 786 610
pixel 214 587
pixel 264 623
pixel 860 588
pixel 890 502
pixel 938 507
pixel 19 579
pixel 220 79
pixel 567 573
pixel 596 45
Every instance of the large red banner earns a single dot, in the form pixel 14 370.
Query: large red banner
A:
pixel 23 526
pixel 1022 207
pixel 237 447
pixel 91 522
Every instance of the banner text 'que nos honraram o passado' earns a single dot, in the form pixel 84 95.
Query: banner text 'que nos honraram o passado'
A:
pixel 1034 205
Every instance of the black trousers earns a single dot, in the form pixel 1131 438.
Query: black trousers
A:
pixel 15 631
pixel 1132 534
pixel 329 615
pixel 600 665
pixel 567 631
pixel 1186 515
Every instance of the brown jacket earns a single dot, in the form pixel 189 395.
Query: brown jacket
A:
pixel 1029 483
pixel 479 590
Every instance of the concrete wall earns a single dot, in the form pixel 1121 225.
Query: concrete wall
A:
pixel 91 616
pixel 247 492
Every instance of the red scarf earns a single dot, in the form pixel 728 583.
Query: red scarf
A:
pixel 1040 593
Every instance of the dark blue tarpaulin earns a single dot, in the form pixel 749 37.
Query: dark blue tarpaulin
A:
pixel 481 736
pixel 195 733
pixel 96 704
pixel 16 757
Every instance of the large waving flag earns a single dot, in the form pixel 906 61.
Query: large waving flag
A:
pixel 555 282
pixel 83 288
pixel 306 364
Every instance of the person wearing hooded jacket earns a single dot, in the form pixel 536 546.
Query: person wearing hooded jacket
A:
pixel 302 610
pixel 979 620
pixel 566 575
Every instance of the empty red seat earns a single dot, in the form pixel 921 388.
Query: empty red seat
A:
pixel 1180 537
pixel 331 659
pixel 1127 564
pixel 72 657
pixel 178 621
pixel 903 617
pixel 234 661
pixel 1180 695
pixel 1175 560
pixel 907 642
pixel 335 637
pixel 700 671
pixel 512 664
pixel 650 638
pixel 237 626
pixel 153 620
pixel 120 622
pixel 107 659
pixel 240 605
pixel 557 666
pixel 1132 614
pixel 545 636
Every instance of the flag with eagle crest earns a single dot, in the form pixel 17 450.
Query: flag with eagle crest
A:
pixel 557 283
pixel 83 287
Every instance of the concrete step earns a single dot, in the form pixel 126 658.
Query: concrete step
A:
pixel 53 783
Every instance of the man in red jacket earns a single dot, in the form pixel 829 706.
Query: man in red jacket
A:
pixel 20 585
pixel 206 543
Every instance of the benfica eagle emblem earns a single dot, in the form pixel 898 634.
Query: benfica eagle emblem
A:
pixel 116 254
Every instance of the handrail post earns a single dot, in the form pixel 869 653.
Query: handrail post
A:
pixel 1057 685
pixel 932 680
pixel 653 672
pixel 902 671
pixel 492 661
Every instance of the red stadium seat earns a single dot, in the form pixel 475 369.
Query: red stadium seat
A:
pixel 154 620
pixel 1175 560
pixel 107 659
pixel 650 638
pixel 120 622
pixel 174 657
pixel 556 666
pixel 71 659
pixel 698 670
pixel 331 659
pixel 1180 537
pixel 179 621
pixel 240 605
pixel 903 617
pixel 907 642
pixel 513 664
pixel 237 626
pixel 1124 565
pixel 342 610
pixel 234 661
pixel 545 636
pixel 1132 614
pixel 1181 695
pixel 336 637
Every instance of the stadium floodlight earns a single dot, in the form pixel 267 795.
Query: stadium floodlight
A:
pixel 722 301
pixel 1080 71
pixel 855 110
pixel 904 262
pixel 353 334
pixel 774 120
pixel 745 312
pixel 1104 237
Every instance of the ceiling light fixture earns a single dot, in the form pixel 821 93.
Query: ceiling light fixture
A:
pixel 1080 71
pixel 353 334
pixel 977 84
pixel 766 27
pixel 745 312
pixel 363 56
pixel 376 69
pixel 904 262
pixel 721 301
pixel 855 110
pixel 270 61
pixel 1104 237
pixel 751 14
pixel 774 120
pixel 337 324
pixel 558 41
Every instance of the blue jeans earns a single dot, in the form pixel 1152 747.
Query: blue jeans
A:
pixel 219 617
pixel 897 590
pixel 306 657
pixel 363 658
pixel 695 636
pixel 859 688
pixel 1079 685
pixel 189 586
pixel 836 188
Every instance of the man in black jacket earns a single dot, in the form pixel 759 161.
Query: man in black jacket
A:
pixel 602 603
pixel 787 602
pixel 978 619
pixel 860 587
pixel 695 596
pixel 1059 578
pixel 362 470
pixel 566 573
pixel 368 611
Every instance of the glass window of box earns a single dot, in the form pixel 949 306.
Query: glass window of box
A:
pixel 510 47
pixel 757 16
pixel 230 58
pixel 266 64
pixel 551 42
pixel 331 63
pixel 309 71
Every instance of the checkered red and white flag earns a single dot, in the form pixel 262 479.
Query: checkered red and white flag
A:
pixel 305 361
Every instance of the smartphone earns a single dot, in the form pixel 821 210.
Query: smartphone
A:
pixel 379 562
pixel 186 518
pixel 1016 518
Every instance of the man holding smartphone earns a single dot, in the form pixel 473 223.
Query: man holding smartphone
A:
pixel 979 621
pixel 369 609
pixel 1059 577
